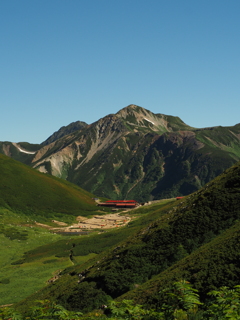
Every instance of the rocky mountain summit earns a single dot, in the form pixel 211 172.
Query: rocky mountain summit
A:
pixel 134 154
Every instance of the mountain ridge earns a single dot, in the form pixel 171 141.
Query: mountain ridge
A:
pixel 65 130
pixel 135 153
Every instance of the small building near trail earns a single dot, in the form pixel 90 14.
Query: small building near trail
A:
pixel 179 198
pixel 118 204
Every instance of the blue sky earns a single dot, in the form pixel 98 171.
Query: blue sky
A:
pixel 68 60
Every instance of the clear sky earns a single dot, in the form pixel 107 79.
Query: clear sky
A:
pixel 68 60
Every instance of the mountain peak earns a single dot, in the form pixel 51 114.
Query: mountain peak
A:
pixel 136 114
pixel 132 108
pixel 142 118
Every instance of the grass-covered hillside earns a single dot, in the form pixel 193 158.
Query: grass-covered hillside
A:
pixel 26 197
pixel 195 238
pixel 25 190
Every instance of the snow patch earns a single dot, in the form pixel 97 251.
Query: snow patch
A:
pixel 149 121
pixel 24 151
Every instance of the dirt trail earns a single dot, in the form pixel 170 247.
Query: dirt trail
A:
pixel 107 221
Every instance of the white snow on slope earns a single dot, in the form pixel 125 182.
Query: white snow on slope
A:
pixel 149 121
pixel 24 151
pixel 29 152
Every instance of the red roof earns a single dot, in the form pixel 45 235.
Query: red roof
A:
pixel 122 201
pixel 118 204
pixel 125 204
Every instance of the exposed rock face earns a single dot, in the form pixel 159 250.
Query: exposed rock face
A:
pixel 6 150
pixel 137 154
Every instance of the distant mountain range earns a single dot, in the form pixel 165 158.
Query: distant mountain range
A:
pixel 133 154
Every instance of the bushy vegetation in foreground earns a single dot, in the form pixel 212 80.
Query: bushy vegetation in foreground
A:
pixel 182 302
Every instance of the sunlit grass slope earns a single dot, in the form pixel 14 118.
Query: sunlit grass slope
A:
pixel 19 281
pixel 27 195
pixel 24 268
pixel 28 191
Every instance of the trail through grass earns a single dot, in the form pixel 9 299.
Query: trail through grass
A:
pixel 17 281
pixel 47 253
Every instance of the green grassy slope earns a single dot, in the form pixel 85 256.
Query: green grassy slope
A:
pixel 223 138
pixel 19 281
pixel 196 223
pixel 31 192
pixel 27 196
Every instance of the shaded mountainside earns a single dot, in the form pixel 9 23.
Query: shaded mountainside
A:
pixel 25 189
pixel 196 239
pixel 213 265
pixel 137 154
